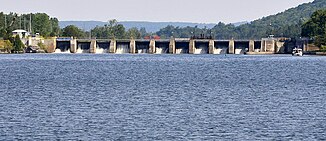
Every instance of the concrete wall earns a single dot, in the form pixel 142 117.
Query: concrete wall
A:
pixel 312 47
pixel 51 44
pixel 251 46
pixel 92 48
pixel 172 46
pixel 279 47
pixel 211 47
pixel 268 45
pixel 192 47
pixel 73 45
pixel 152 47
pixel 231 47
pixel 113 46
pixel 132 46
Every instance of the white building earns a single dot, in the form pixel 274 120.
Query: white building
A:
pixel 21 33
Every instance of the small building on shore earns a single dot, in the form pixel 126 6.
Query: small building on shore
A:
pixel 21 33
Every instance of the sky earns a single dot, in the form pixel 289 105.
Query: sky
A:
pixel 198 11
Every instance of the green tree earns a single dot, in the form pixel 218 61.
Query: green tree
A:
pixel 316 27
pixel 143 32
pixel 18 44
pixel 110 30
pixel 119 31
pixel 55 29
pixel 133 33
pixel 41 24
pixel 73 31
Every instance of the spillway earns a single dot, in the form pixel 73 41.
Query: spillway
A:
pixel 240 47
pixel 162 47
pixel 182 47
pixel 142 47
pixel 62 47
pixel 123 47
pixel 201 47
pixel 83 47
pixel 257 46
pixel 221 47
pixel 102 47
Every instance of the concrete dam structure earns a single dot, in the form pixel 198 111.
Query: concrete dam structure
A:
pixel 165 46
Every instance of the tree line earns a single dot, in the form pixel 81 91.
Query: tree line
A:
pixel 313 28
pixel 34 23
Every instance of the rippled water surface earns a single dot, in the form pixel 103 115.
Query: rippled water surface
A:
pixel 162 97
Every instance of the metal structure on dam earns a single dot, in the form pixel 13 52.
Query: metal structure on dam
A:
pixel 165 46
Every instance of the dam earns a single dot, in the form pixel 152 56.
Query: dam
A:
pixel 165 46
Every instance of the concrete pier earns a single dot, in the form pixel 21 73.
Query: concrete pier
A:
pixel 152 47
pixel 251 46
pixel 268 45
pixel 211 47
pixel 73 45
pixel 172 46
pixel 192 46
pixel 51 44
pixel 113 46
pixel 132 46
pixel 92 48
pixel 231 47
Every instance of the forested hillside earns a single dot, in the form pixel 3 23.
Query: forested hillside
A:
pixel 287 24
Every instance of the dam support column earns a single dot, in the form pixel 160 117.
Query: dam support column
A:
pixel 113 46
pixel 263 46
pixel 172 46
pixel 73 45
pixel 231 47
pixel 152 48
pixel 132 46
pixel 211 46
pixel 51 44
pixel 92 48
pixel 192 46
pixel 251 46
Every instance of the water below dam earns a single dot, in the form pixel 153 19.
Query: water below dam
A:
pixel 162 97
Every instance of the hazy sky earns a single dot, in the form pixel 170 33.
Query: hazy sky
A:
pixel 202 11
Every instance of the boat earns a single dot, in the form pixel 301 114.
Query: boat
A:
pixel 297 52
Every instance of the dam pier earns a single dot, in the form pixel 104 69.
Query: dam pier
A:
pixel 166 46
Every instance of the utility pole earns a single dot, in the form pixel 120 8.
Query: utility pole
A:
pixel 30 23
pixel 24 23
pixel 20 22
pixel 5 21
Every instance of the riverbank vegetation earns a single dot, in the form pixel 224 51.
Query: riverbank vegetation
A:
pixel 315 28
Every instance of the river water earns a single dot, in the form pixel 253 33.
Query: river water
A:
pixel 162 97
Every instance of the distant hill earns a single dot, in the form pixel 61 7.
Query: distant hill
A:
pixel 287 23
pixel 150 26
pixel 293 15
